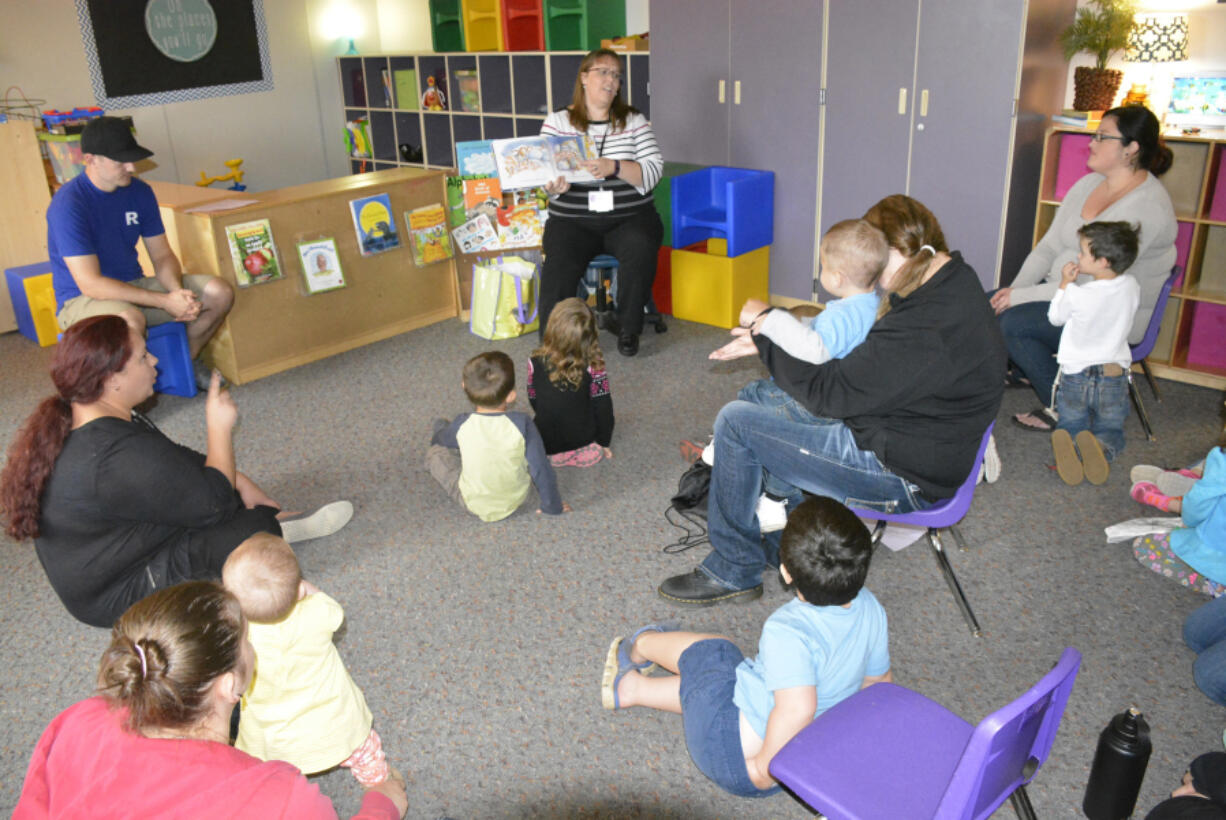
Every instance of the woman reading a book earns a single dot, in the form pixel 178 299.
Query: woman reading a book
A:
pixel 1126 158
pixel 613 215
pixel 115 508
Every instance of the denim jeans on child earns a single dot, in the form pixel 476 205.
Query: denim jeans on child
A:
pixel 755 447
pixel 1204 632
pixel 712 721
pixel 1091 400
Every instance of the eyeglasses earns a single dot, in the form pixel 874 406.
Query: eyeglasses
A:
pixel 1099 136
pixel 607 73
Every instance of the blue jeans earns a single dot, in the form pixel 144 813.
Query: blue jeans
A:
pixel 1092 401
pixel 766 393
pixel 712 720
pixel 1205 634
pixel 756 448
pixel 1032 342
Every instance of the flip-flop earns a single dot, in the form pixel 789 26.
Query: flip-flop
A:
pixel 1068 465
pixel 623 651
pixel 1092 458
pixel 1042 413
pixel 613 674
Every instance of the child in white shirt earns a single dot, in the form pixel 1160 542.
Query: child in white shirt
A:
pixel 1092 386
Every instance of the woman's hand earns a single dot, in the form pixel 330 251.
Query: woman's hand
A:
pixel 1000 300
pixel 601 167
pixel 752 309
pixel 743 345
pixel 557 186
pixel 220 412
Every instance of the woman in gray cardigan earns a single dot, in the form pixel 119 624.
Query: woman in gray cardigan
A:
pixel 1126 158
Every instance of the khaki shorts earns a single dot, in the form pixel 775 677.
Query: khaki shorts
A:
pixel 82 307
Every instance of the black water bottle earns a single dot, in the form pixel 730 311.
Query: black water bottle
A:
pixel 1119 767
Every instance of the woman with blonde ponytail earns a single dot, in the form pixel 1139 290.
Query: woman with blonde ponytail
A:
pixel 898 419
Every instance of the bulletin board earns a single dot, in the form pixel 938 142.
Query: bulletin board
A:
pixel 153 52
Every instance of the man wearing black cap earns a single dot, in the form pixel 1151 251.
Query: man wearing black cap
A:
pixel 93 224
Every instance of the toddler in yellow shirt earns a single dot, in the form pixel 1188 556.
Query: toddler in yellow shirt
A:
pixel 302 707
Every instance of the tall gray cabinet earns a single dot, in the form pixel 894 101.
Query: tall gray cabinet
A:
pixel 933 98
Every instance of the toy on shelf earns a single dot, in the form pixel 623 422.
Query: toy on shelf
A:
pixel 235 175
pixel 433 99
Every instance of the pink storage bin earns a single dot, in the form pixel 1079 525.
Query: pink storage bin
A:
pixel 1217 209
pixel 1183 248
pixel 1207 341
pixel 1074 154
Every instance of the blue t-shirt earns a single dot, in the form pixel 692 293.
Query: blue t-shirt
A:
pixel 829 647
pixel 83 220
pixel 846 322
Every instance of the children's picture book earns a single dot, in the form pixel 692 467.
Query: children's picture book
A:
pixel 476 235
pixel 374 224
pixel 357 138
pixel 521 227
pixel 470 89
pixel 428 234
pixel 405 81
pixel 321 265
pixel 386 77
pixel 475 158
pixel 253 252
pixel 526 162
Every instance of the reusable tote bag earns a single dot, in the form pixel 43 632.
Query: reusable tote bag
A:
pixel 504 298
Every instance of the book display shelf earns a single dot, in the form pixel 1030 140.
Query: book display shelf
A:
pixel 1192 344
pixel 487 95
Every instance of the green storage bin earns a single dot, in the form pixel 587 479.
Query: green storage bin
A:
pixel 447 25
pixel 580 25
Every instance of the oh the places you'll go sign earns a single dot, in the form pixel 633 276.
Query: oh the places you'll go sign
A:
pixel 151 52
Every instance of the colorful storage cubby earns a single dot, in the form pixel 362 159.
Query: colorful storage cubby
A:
pixel 662 287
pixel 523 26
pixel 709 287
pixel 735 204
pixel 482 25
pixel 176 376
pixel 580 25
pixel 33 299
pixel 446 25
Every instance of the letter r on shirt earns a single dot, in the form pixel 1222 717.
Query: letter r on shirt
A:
pixel 131 218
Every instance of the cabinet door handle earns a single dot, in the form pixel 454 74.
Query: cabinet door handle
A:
pixel 902 101
pixel 924 103
pixel 722 94
pixel 736 92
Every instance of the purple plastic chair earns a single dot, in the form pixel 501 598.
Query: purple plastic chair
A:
pixel 887 751
pixel 947 513
pixel 1146 346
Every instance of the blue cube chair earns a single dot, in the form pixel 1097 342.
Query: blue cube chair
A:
pixel 168 342
pixel 737 204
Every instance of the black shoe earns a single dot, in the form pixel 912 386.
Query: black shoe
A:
pixel 607 320
pixel 699 589
pixel 628 344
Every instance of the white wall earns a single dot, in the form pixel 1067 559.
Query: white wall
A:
pixel 287 136
pixel 1206 51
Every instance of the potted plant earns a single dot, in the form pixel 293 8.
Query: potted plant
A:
pixel 1100 28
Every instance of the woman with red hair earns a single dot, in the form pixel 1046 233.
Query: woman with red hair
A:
pixel 115 508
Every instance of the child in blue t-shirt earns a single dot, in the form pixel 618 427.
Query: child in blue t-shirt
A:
pixel 853 253
pixel 815 650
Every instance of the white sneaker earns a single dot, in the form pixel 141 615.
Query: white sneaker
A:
pixel 708 454
pixel 772 514
pixel 989 471
pixel 326 520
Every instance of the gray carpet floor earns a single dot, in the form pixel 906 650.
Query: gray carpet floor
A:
pixel 480 646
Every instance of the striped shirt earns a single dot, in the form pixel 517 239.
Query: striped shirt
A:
pixel 635 142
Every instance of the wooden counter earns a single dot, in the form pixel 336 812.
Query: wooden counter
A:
pixel 276 325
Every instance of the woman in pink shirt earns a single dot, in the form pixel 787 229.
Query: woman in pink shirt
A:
pixel 155 741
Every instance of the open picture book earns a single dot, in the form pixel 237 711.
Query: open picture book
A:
pixel 527 162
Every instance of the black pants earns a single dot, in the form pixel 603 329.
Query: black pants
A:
pixel 571 242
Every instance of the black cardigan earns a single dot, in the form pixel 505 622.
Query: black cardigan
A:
pixel 922 387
